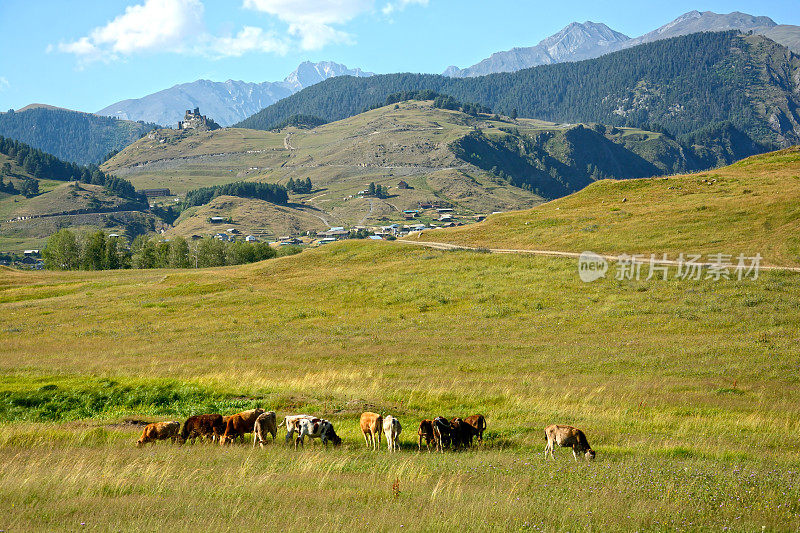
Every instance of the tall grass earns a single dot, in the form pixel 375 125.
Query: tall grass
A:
pixel 687 390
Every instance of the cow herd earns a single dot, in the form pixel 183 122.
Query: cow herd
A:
pixel 438 433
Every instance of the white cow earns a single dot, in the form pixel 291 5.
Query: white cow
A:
pixel 567 437
pixel 291 424
pixel 315 428
pixel 392 429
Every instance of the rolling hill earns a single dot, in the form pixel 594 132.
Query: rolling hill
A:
pixel 70 135
pixel 476 163
pixel 684 84
pixel 750 207
pixel 47 194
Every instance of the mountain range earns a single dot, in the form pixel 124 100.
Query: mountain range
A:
pixel 226 102
pixel 589 40
pixel 688 85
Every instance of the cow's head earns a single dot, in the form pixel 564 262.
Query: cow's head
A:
pixel 139 443
pixel 331 435
pixel 590 454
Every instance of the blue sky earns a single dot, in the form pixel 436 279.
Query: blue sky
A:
pixel 87 54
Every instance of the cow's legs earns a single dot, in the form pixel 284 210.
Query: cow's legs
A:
pixel 574 454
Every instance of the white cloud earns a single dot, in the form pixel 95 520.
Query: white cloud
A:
pixel 400 5
pixel 313 21
pixel 176 26
pixel 4 84
pixel 250 39
pixel 155 25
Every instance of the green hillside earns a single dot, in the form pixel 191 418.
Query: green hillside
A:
pixel 40 194
pixel 477 163
pixel 684 84
pixel 752 206
pixel 70 135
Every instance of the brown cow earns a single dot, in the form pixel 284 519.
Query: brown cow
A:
pixel 159 431
pixel 208 426
pixel 425 431
pixel 239 424
pixel 567 437
pixel 265 423
pixel 479 423
pixel 461 433
pixel 371 426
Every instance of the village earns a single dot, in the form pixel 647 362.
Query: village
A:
pixel 429 215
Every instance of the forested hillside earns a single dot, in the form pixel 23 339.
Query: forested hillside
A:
pixel 69 135
pixel 683 84
pixel 41 165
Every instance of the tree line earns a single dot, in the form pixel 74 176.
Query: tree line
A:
pixel 83 138
pixel 440 101
pixel 269 192
pixel 684 84
pixel 41 165
pixel 96 250
pixel 300 186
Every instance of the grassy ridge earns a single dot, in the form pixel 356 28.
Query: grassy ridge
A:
pixel 688 390
pixel 751 206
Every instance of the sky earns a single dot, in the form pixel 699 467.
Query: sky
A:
pixel 88 54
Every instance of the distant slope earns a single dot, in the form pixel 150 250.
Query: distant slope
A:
pixel 695 21
pixel 684 84
pixel 250 217
pixel 226 102
pixel 589 40
pixel 575 42
pixel 479 164
pixel 70 135
pixel 49 194
pixel 788 36
pixel 750 207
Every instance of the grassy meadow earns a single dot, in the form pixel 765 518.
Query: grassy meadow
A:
pixel 748 207
pixel 687 390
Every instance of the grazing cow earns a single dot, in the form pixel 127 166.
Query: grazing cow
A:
pixel 265 423
pixel 425 431
pixel 479 423
pixel 371 424
pixel 239 424
pixel 315 428
pixel 567 437
pixel 392 429
pixel 291 424
pixel 208 426
pixel 441 432
pixel 159 431
pixel 461 433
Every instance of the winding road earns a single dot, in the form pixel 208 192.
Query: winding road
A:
pixel 558 253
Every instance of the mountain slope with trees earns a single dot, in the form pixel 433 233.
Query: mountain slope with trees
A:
pixel 683 84
pixel 70 135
